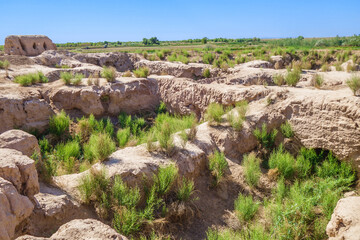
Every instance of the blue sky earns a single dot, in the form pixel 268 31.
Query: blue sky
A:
pixel 81 21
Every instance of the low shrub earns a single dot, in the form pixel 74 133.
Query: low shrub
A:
pixel 66 77
pixel 206 73
pixel 354 83
pixel 77 79
pixel 252 171
pixel 59 124
pixel 266 139
pixel 99 147
pixel 185 190
pixel 31 78
pixel 245 208
pixel 279 79
pixel 123 136
pixel 142 72
pixel 217 165
pixel 127 74
pixel 109 73
pixel 164 137
pixel 123 195
pixel 208 58
pixel 292 77
pixel 4 64
pixel 214 113
pixel 317 80
pixel 284 162
pixel 236 117
pixel 286 130
pixel 164 179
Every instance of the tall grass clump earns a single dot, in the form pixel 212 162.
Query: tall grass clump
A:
pixel 217 165
pixel 293 77
pixel 317 80
pixel 214 113
pixel 31 78
pixel 142 72
pixel 109 73
pixel 123 136
pixel 164 137
pixel 236 117
pixel 68 153
pixel 59 124
pixel 284 162
pixel 99 147
pixel 266 139
pixel 286 130
pixel 164 179
pixel 124 195
pixel 206 73
pixel 66 77
pixel 354 83
pixel 185 190
pixel 4 64
pixel 208 58
pixel 252 171
pixel 279 79
pixel 245 207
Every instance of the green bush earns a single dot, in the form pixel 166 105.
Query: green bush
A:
pixel 142 72
pixel 284 162
pixel 165 138
pixel 31 78
pixel 44 145
pixel 206 73
pixel 68 153
pixel 303 166
pixel 217 165
pixel 127 221
pixel 123 136
pixel 293 77
pixel 109 73
pixel 354 83
pixel 286 130
pixel 161 108
pixel 99 147
pixel 59 124
pixel 252 171
pixel 77 79
pixel 164 179
pixel 214 113
pixel 93 185
pixel 185 190
pixel 245 208
pixel 4 64
pixel 266 139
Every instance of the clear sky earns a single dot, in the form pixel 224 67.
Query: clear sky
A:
pixel 111 20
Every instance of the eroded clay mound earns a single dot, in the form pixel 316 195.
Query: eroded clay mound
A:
pixel 28 45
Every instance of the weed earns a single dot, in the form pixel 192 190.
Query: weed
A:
pixel 59 124
pixel 31 78
pixel 286 130
pixel 317 80
pixel 266 139
pixel 245 208
pixel 208 58
pixel 217 165
pixel 165 138
pixel 236 117
pixel 293 77
pixel 164 179
pixel 279 79
pixel 66 77
pixel 123 136
pixel 127 74
pixel 123 195
pixel 214 113
pixel 283 161
pixel 185 190
pixel 109 73
pixel 354 83
pixel 77 79
pixel 252 172
pixel 141 72
pixel 206 73
pixel 99 147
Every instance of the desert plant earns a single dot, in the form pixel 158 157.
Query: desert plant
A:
pixel 266 139
pixel 127 221
pixel 279 79
pixel 76 80
pixel 165 138
pixel 142 72
pixel 206 73
pixel 325 68
pixel 286 130
pixel 92 185
pixel 208 58
pixel 109 73
pixel 245 208
pixel 164 179
pixel 127 74
pixel 66 77
pixel 99 147
pixel 214 113
pixel 4 64
pixel 161 108
pixel 123 136
pixel 236 117
pixel 293 77
pixel 338 67
pixel 317 80
pixel 252 171
pixel 354 83
pixel 185 190
pixel 283 161
pixel 217 165
pixel 124 195
pixel 59 124
pixel 31 78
